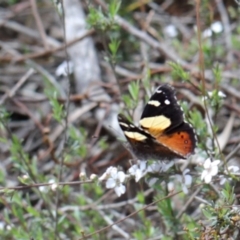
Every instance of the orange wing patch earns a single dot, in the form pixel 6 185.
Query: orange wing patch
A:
pixel 179 142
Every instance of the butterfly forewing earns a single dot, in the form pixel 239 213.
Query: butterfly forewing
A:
pixel 162 111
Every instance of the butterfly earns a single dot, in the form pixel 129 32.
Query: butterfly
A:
pixel 162 133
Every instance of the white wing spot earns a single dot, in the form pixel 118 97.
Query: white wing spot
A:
pixel 154 103
pixel 167 102
pixel 159 91
pixel 124 124
pixel 132 126
pixel 135 135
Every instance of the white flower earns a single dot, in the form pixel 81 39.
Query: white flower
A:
pixel 63 68
pixel 42 189
pixel 170 186
pixel 114 179
pixel 82 176
pixel 210 170
pixel 185 180
pixel 107 174
pixel 93 176
pixel 159 166
pixel 217 27
pixel 220 94
pixel 54 186
pixel 234 170
pixel 170 31
pixel 138 170
pixel 25 176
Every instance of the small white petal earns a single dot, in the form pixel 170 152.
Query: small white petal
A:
pixel 110 183
pixel 42 188
pixel 51 181
pixel 139 175
pixel 215 163
pixel 121 176
pixel 155 167
pixel 119 190
pixel 208 178
pixel 54 186
pixel 213 171
pixel 221 94
pixel 132 170
pixel 167 166
pixel 184 188
pixel 113 172
pixel 171 31
pixel 207 33
pixel 186 171
pixel 25 176
pixel 170 186
pixel 142 165
pixel 62 69
pixel 93 176
pixel 188 179
pixel 207 163
pixel 233 169
pixel 223 180
pixel 152 181
pixel 204 174
pixel 110 169
pixel 217 27
pixel 103 177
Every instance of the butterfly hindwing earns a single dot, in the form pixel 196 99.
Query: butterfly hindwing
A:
pixel 142 144
pixel 180 140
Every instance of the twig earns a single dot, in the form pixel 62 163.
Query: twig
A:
pixel 105 207
pixel 48 51
pixel 39 23
pixel 188 202
pixel 114 227
pixel 27 31
pixel 227 29
pixel 21 81
pixel 49 76
pixel 26 110
pixel 233 152
pixel 71 118
pixel 35 185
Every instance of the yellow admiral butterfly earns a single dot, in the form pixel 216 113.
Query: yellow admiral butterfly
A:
pixel 163 134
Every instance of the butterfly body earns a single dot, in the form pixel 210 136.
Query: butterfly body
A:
pixel 163 134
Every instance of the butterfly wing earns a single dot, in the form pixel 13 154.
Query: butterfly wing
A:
pixel 163 133
pixel 163 118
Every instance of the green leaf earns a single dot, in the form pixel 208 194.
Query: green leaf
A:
pixel 133 89
pixel 114 7
pixel 114 45
pixel 178 71
pixel 207 213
